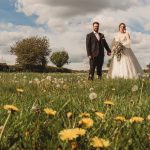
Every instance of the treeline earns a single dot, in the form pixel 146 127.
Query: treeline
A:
pixel 32 68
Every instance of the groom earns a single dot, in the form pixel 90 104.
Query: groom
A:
pixel 95 44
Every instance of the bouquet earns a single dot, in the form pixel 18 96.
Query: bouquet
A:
pixel 117 49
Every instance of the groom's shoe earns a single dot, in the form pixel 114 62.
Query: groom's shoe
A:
pixel 99 77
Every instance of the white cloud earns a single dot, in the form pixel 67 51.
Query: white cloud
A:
pixel 70 20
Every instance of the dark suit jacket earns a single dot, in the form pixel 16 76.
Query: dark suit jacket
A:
pixel 95 47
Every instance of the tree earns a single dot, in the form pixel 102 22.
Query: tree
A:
pixel 59 58
pixel 31 51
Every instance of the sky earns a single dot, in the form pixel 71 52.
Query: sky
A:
pixel 67 22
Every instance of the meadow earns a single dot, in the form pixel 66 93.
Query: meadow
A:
pixel 58 111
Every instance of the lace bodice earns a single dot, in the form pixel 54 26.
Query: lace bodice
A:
pixel 124 38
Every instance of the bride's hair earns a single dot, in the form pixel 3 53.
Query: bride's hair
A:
pixel 122 24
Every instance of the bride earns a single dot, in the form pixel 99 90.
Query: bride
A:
pixel 127 66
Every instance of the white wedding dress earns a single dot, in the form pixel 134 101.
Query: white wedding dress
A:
pixel 128 67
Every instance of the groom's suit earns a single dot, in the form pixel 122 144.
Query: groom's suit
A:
pixel 95 49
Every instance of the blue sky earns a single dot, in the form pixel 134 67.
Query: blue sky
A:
pixel 66 23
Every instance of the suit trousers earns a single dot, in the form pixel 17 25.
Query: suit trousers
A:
pixel 96 62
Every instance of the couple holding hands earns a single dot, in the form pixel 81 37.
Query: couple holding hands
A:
pixel 126 67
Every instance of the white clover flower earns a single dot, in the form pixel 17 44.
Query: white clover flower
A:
pixel 134 88
pixel 93 96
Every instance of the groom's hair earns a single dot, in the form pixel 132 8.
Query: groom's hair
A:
pixel 95 22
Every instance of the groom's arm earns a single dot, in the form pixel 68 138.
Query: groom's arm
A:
pixel 88 45
pixel 106 45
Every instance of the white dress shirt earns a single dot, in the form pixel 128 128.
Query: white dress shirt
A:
pixel 97 35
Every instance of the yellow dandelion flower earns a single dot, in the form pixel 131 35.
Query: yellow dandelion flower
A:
pixel 70 134
pixel 120 118
pixel 136 119
pixel 19 90
pixel 109 103
pixel 99 142
pixel 84 115
pixel 100 115
pixel 11 107
pixel 87 122
pixel 49 111
pixel 69 115
pixel 148 117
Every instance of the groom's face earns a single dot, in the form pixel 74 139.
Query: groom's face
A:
pixel 96 27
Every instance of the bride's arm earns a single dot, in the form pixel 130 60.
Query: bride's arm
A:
pixel 127 43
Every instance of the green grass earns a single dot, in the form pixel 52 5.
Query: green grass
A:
pixel 33 129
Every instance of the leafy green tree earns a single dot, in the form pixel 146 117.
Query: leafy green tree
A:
pixel 31 51
pixel 59 58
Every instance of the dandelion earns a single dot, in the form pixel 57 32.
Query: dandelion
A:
pixel 19 90
pixel 91 89
pixel 134 88
pixel 70 134
pixel 58 86
pixel 84 115
pixel 30 82
pixel 49 78
pixel 136 119
pixel 120 118
pixel 93 96
pixel 99 142
pixel 100 115
pixel 109 103
pixel 49 111
pixel 113 89
pixel 86 122
pixel 69 115
pixel 148 117
pixel 11 108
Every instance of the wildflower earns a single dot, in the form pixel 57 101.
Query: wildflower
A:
pixel 109 103
pixel 120 118
pixel 100 115
pixel 70 134
pixel 58 86
pixel 99 142
pixel 69 115
pixel 93 96
pixel 136 119
pixel 87 122
pixel 148 117
pixel 91 89
pixel 11 108
pixel 113 89
pixel 20 90
pixel 134 88
pixel 84 115
pixel 49 111
pixel 30 82
pixel 49 78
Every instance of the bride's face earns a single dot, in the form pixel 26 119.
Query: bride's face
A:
pixel 122 28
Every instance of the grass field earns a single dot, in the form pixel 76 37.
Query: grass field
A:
pixel 111 114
